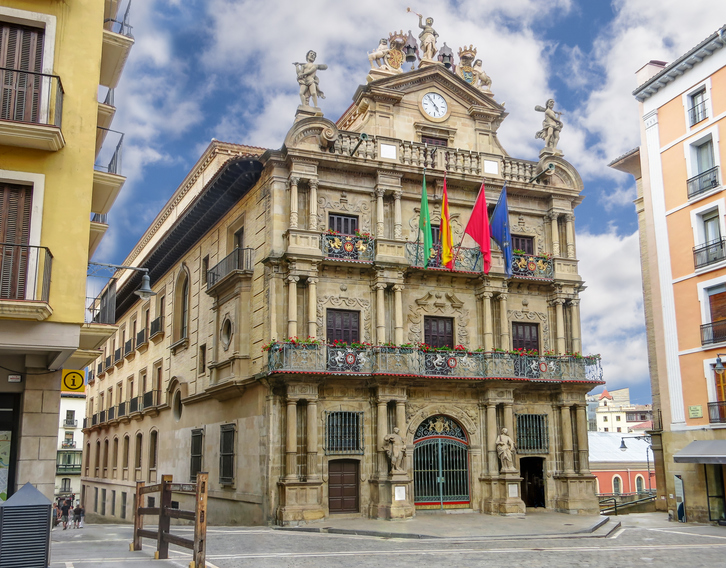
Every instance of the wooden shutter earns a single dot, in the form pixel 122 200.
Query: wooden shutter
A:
pixel 438 332
pixel 14 237
pixel 343 224
pixel 21 49
pixel 525 336
pixel 343 325
pixel 523 243
pixel 718 306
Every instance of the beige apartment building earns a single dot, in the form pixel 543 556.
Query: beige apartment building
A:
pixel 258 249
pixel 681 206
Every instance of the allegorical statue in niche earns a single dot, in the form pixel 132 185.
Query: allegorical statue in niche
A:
pixel 308 79
pixel 395 450
pixel 505 450
pixel 551 125
pixel 427 36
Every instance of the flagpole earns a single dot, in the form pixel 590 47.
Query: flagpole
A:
pixel 418 234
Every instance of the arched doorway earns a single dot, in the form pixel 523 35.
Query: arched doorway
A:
pixel 533 485
pixel 441 465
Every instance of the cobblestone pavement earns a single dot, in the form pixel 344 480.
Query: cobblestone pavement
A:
pixel 642 540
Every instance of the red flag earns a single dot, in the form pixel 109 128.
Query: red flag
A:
pixel 478 228
pixel 447 244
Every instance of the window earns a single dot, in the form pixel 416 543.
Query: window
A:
pixel 438 331
pixel 98 458
pixel 343 224
pixel 195 465
pixel 123 504
pixel 617 418
pixel 202 359
pixel 525 244
pixel 103 502
pixel 22 48
pixel 532 434
pixel 525 336
pixel 95 499
pixel 15 205
pixel 114 457
pixel 66 485
pixel 153 454
pixel 113 503
pixel 343 433
pixel 715 331
pixel 710 248
pixel 226 454
pixel 617 485
pixel 105 458
pixel 342 325
pixel 434 141
pixel 302 440
pixel 619 429
pixel 639 484
pixel 125 455
pixel 239 238
pixel 606 429
pixel 604 418
pixel 181 307
pixel 715 492
pixel 697 111
pixel 702 166
pixel 138 456
pixel 205 269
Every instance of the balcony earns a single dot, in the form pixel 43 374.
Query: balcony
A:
pixel 102 417
pixel 157 328
pixel 467 259
pixel 25 274
pixel 414 362
pixel 129 348
pixel 70 423
pixel 710 253
pixel 68 469
pixel 117 42
pixel 99 226
pixel 107 363
pixel 31 108
pixel 134 405
pixel 111 413
pixel 100 369
pixel 703 182
pixel 239 260
pixel 121 409
pixel 94 419
pixel 530 266
pixel 717 412
pixel 107 178
pixel 91 377
pixel 141 339
pixel 117 356
pixel 68 444
pixel 348 248
pixel 697 113
pixel 714 332
pixel 148 399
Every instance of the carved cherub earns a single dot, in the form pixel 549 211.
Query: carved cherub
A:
pixel 551 125
pixel 308 79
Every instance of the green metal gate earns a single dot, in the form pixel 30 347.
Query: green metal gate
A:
pixel 441 465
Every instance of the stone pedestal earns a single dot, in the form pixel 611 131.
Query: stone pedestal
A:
pixel 427 62
pixel 502 494
pixel 304 111
pixel 300 501
pixel 545 152
pixel 392 498
pixel 379 73
pixel 576 494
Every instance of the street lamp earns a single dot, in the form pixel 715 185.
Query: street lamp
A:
pixel 144 292
pixel 719 368
pixel 647 438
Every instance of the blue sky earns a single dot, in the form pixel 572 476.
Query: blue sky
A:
pixel 203 69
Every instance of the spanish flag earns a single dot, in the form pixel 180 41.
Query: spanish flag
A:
pixel 447 245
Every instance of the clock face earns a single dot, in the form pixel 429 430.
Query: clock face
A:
pixel 434 105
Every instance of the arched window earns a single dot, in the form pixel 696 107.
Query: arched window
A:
pixel 137 460
pixel 114 456
pixel 617 485
pixel 88 457
pixel 125 458
pixel 97 463
pixel 153 454
pixel 105 458
pixel 640 484
pixel 181 306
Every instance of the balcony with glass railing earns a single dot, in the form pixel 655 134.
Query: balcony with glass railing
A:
pixel 31 109
pixel 25 276
pixel 703 182
pixel 710 253
pixel 107 176
pixel 239 261
pixel 117 42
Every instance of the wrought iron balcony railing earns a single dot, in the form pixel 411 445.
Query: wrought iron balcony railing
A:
pixel 111 413
pixel 348 247
pixel 117 355
pixel 697 113
pixel 467 259
pixel 102 417
pixel 157 326
pixel 70 423
pixel 25 272
pixel 148 399
pixel 141 338
pixel 30 97
pixel 68 444
pixel 108 362
pixel 128 347
pixel 703 182
pixel 717 412
pixel 238 259
pixel 329 359
pixel 91 377
pixel 100 368
pixel 94 419
pixel 85 423
pixel 121 409
pixel 714 332
pixel 134 404
pixel 710 253
pixel 530 266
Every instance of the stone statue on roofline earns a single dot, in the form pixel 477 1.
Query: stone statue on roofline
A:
pixel 551 127
pixel 308 79
pixel 427 37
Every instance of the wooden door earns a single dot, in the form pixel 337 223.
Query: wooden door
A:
pixel 14 237
pixel 525 336
pixel 343 486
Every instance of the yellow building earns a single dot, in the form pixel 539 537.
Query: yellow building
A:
pixel 681 206
pixel 53 206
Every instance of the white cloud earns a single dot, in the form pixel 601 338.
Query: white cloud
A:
pixel 612 317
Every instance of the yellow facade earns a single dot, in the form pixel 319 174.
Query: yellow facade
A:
pixel 48 154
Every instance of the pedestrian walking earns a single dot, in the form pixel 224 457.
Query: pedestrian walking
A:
pixel 64 513
pixel 77 516
pixel 83 516
pixel 54 512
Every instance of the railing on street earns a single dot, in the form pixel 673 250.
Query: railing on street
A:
pixel 702 182
pixel 25 272
pixel 714 332
pixel 31 97
pixel 710 253
pixel 405 361
pixel 348 247
pixel 466 260
pixel 238 259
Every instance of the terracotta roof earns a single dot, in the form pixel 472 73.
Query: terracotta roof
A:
pixel 605 394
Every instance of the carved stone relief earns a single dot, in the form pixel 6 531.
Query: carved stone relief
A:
pixel 438 303
pixel 457 231
pixel 347 304
pixel 526 227
pixel 461 415
pixel 357 206
pixel 542 317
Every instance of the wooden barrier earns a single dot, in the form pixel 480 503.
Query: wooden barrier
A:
pixel 162 536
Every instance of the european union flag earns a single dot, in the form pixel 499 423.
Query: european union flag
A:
pixel 499 225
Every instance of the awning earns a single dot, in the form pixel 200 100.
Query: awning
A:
pixel 702 451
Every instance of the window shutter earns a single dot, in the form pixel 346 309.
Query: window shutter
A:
pixel 343 325
pixel 21 48
pixel 15 233
pixel 439 332
pixel 718 306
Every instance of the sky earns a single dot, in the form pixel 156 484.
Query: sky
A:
pixel 203 69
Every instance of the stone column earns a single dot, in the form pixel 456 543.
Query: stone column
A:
pixel 397 233
pixel 398 313
pixel 401 416
pixel 570 232
pixel 312 307
pixel 504 323
pixel 312 440
pixel 492 438
pixel 553 215
pixel 292 306
pixel 379 213
pixel 381 427
pixel 293 202
pixel 575 316
pixel 313 221
pixel 509 418
pixel 560 325
pixel 488 332
pixel 380 313
pixel 291 441
pixel 581 413
pixel 567 439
